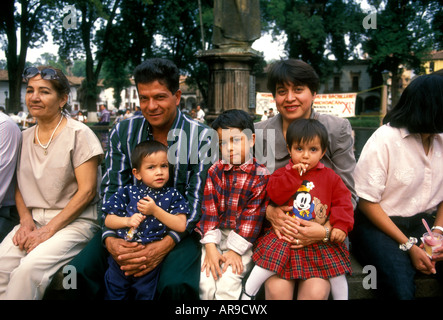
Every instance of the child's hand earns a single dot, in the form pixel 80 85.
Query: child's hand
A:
pixel 337 235
pixel 300 167
pixel 146 206
pixel 233 259
pixel 135 220
pixel 213 261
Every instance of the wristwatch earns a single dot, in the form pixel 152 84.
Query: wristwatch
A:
pixel 326 238
pixel 408 245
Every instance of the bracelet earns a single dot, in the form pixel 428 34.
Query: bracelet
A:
pixel 408 245
pixel 438 228
pixel 326 238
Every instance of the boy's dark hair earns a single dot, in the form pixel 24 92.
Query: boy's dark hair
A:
pixel 235 118
pixel 145 148
pixel 162 70
pixel 305 130
pixel 420 108
pixel 295 71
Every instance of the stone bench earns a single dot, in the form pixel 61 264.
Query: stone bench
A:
pixel 426 286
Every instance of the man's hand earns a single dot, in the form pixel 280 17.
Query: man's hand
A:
pixel 137 259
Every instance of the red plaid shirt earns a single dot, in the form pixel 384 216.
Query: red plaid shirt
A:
pixel 235 198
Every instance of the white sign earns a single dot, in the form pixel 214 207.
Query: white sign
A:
pixel 264 101
pixel 337 104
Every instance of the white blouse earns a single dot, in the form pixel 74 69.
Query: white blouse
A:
pixel 48 181
pixel 394 171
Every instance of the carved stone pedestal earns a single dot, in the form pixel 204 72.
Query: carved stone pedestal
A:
pixel 231 84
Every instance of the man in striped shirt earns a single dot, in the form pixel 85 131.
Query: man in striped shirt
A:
pixel 190 157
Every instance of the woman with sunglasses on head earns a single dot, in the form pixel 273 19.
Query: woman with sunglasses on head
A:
pixel 56 197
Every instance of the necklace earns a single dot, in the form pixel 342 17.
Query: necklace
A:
pixel 46 146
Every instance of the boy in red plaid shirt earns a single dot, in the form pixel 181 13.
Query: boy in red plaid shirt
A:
pixel 233 208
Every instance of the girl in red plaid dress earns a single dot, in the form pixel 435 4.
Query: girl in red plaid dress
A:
pixel 316 193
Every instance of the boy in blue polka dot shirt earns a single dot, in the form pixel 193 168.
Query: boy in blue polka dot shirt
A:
pixel 142 212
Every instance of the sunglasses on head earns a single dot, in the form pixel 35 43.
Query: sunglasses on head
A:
pixel 46 74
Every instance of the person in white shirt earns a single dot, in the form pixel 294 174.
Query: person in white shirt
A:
pixel 398 180
pixel 9 148
pixel 200 114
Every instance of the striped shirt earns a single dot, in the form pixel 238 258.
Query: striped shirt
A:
pixel 189 154
pixel 235 198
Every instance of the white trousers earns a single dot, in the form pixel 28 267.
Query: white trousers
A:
pixel 25 276
pixel 229 285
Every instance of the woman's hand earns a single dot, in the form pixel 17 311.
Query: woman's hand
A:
pixel 421 261
pixel 438 254
pixel 278 219
pixel 21 236
pixel 36 237
pixel 307 232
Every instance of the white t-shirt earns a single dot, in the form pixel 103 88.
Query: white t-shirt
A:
pixel 201 115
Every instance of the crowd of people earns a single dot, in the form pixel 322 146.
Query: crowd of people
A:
pixel 184 211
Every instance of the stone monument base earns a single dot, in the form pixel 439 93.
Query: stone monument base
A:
pixel 231 83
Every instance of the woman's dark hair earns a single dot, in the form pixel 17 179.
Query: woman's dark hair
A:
pixel 295 71
pixel 305 130
pixel 235 118
pixel 420 108
pixel 145 148
pixel 162 70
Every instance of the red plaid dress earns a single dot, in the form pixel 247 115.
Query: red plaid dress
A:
pixel 319 260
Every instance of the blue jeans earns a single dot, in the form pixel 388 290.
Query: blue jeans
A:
pixel 395 272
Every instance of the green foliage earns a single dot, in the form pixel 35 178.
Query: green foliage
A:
pixel 316 30
pixel 403 37
pixel 366 122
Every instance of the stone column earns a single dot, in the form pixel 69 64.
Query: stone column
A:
pixel 230 85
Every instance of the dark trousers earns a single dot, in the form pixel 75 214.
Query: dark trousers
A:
pixel 122 287
pixel 8 220
pixel 395 272
pixel 178 280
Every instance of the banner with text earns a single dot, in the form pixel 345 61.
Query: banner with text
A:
pixel 337 104
pixel 264 101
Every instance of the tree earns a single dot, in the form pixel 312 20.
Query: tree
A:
pixel 322 33
pixel 403 37
pixel 130 40
pixel 181 38
pixel 32 18
pixel 94 14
